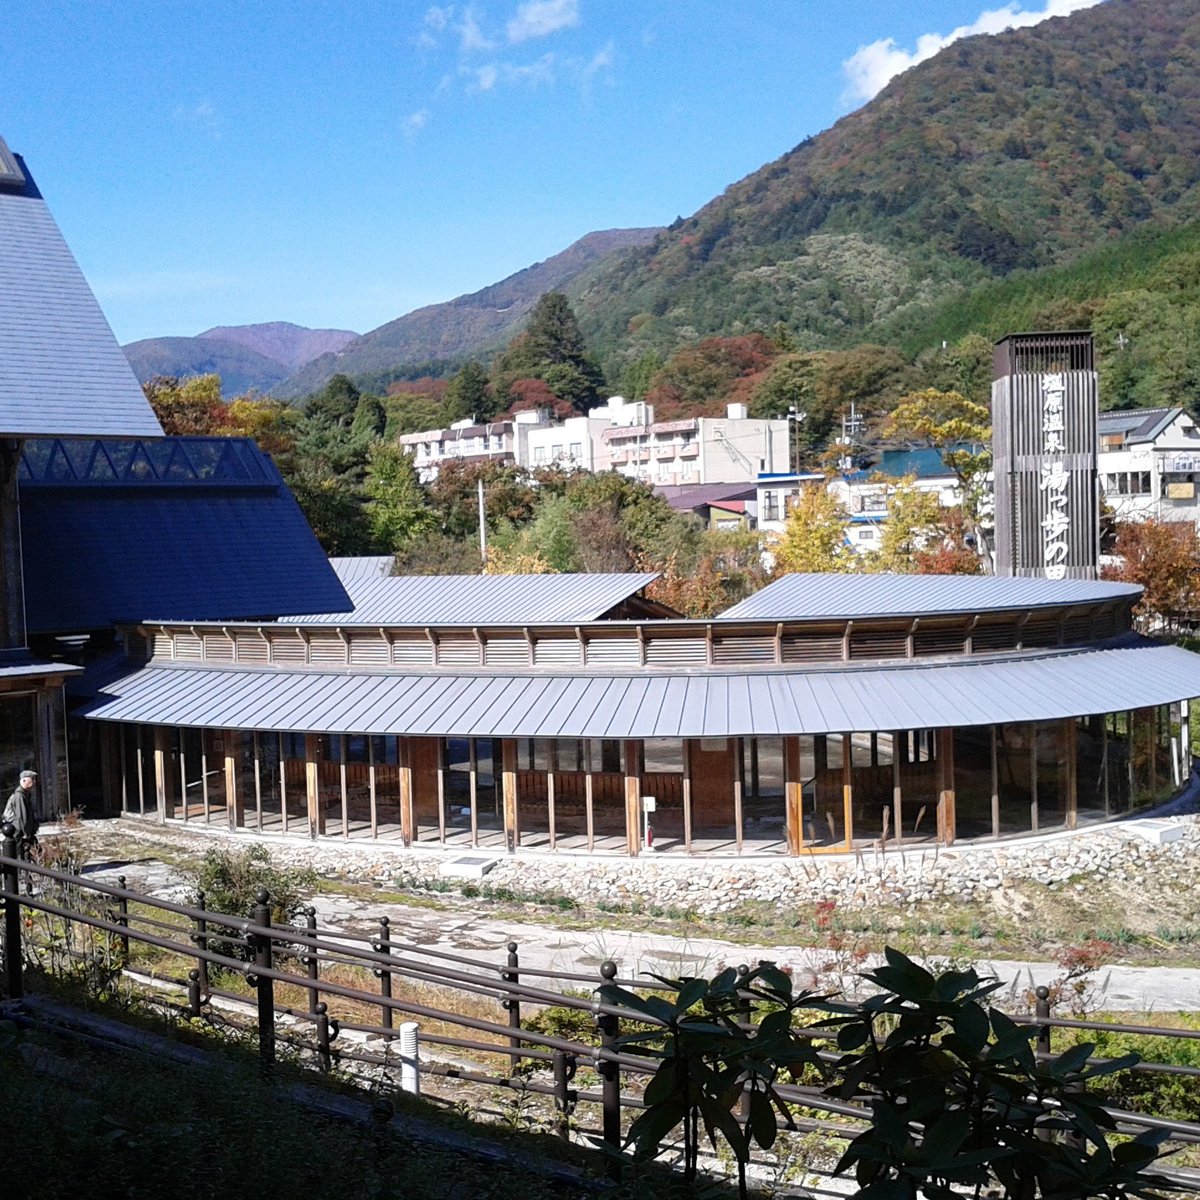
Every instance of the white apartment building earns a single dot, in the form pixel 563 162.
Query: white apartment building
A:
pixel 618 436
pixel 494 441
pixel 1150 464
pixel 730 449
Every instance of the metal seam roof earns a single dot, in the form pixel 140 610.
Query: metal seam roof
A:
pixel 836 596
pixel 476 599
pixel 1042 687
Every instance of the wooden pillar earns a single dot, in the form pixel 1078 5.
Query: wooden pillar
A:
pixel 897 786
pixel 508 783
pixel 945 771
pixel 233 802
pixel 1104 765
pixel 848 789
pixel 995 785
pixel 473 766
pixel 687 795
pixel 1033 778
pixel 793 795
pixel 312 785
pixel 739 773
pixel 1152 739
pixel 1071 771
pixel 634 766
pixel 404 757
pixel 875 749
pixel 441 790
pixel 162 784
pixel 181 741
pixel 371 784
pixel 258 805
pixel 283 808
pixel 343 749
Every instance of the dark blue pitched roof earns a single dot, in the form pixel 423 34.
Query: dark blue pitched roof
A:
pixel 61 370
pixel 187 529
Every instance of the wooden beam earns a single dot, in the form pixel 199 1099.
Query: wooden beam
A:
pixel 793 795
pixel 312 785
pixel 947 821
pixel 508 784
pixel 233 802
pixel 1070 737
pixel 404 755
pixel 634 767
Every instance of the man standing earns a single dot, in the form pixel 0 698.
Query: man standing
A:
pixel 21 813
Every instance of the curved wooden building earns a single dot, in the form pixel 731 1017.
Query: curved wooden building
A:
pixel 825 712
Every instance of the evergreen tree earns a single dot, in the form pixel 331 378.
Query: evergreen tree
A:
pixel 467 395
pixel 397 506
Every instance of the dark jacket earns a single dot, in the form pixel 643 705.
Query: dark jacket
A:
pixel 21 813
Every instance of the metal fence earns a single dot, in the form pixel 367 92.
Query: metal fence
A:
pixel 295 997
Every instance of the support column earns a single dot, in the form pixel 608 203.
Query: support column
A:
pixel 995 785
pixel 946 800
pixel 162 783
pixel 848 789
pixel 898 755
pixel 687 795
pixel 634 766
pixel 404 770
pixel 508 784
pixel 793 795
pixel 1071 762
pixel 312 785
pixel 233 801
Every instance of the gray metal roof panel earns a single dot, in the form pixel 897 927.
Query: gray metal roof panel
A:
pixel 61 369
pixel 839 596
pixel 364 566
pixel 913 695
pixel 479 599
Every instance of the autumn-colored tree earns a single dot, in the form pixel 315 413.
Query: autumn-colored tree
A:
pixel 188 407
pixel 729 568
pixel 952 553
pixel 960 430
pixel 914 523
pixel 1163 557
pixel 454 496
pixel 814 535
pixel 513 562
pixel 699 380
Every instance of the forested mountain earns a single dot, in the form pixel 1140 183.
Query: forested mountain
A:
pixel 470 325
pixel 1002 154
pixel 245 356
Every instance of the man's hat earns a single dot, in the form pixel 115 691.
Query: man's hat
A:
pixel 28 774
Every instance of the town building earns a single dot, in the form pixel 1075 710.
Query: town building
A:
pixel 1149 464
pixel 469 441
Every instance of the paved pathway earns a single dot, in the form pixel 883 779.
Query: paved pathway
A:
pixel 458 929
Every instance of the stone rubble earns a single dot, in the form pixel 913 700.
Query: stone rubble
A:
pixel 707 886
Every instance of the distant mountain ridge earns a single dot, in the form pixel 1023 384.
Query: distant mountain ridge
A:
pixel 245 356
pixel 468 325
pixel 1003 153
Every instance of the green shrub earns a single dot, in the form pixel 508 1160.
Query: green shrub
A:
pixel 232 879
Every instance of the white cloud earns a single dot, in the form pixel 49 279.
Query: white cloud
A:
pixel 540 18
pixel 601 61
pixel 471 38
pixel 871 67
pixel 486 77
pixel 203 115
pixel 414 123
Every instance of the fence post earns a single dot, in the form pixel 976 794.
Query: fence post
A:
pixel 311 963
pixel 265 985
pixel 13 985
pixel 195 1003
pixel 610 1077
pixel 201 939
pixel 512 1004
pixel 564 1095
pixel 383 945
pixel 123 918
pixel 1042 1012
pixel 321 1012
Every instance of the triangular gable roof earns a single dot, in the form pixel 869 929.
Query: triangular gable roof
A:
pixel 61 370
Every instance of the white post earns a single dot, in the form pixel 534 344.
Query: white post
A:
pixel 410 1075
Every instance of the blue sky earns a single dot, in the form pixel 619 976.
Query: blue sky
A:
pixel 338 164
